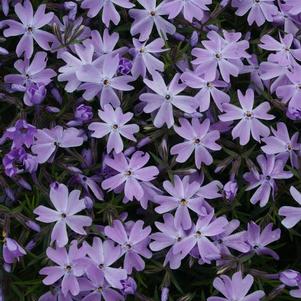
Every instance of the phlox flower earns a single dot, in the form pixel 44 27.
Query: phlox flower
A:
pixel 249 117
pixel 66 205
pixel 115 126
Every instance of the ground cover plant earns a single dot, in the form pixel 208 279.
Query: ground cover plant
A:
pixel 150 150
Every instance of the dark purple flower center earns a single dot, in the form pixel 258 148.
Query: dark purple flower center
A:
pixel 85 179
pixel 63 215
pixel 197 141
pixel 106 82
pixel 115 126
pixel 128 173
pixel 248 114
pixel 29 28
pixel 289 147
pixel 99 289
pixel 198 233
pixel 68 268
pixel 167 97
pixel 268 178
pixel 152 13
pixel 218 55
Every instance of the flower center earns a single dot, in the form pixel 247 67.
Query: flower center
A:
pixel 197 141
pixel 167 97
pixel 128 246
pixel 99 289
pixel 198 234
pixel 142 50
pixel 218 55
pixel 128 173
pixel 183 202
pixel 289 147
pixel 115 126
pixel 248 114
pixel 106 82
pixel 63 215
pixel 152 13
pixel 268 178
pixel 68 268
pixel 29 29
pixel 209 85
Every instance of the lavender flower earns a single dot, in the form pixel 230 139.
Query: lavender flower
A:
pixel 230 190
pixel 207 90
pixel 66 205
pixel 69 267
pixel 235 288
pixel 33 78
pixel 48 140
pixel 191 9
pixel 168 236
pixel 22 133
pixel 115 126
pixel 258 240
pixel 260 11
pixel 104 81
pixel 29 28
pixel 198 140
pixel 223 53
pixel 133 244
pixel 199 236
pixel 83 113
pixel 12 251
pixel 165 99
pixel 103 255
pixel 292 214
pixel 145 57
pixel 281 143
pixel 125 66
pixel 271 170
pixel 182 198
pixel 146 18
pixel 249 118
pixel 109 12
pixel 130 174
pixel 292 278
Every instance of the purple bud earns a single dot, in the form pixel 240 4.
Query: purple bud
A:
pixel 164 294
pixel 12 251
pixel 87 155
pixel 293 113
pixel 179 37
pixel 52 109
pixel 3 51
pixel 290 277
pixel 230 190
pixel 88 202
pixel 31 244
pixel 129 151
pixel 35 94
pixel 129 286
pixel 33 226
pixel 144 142
pixel 56 95
pixel 194 39
pixel 125 66
pixel 83 113
pixel 7 267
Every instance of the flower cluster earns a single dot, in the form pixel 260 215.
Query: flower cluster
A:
pixel 150 148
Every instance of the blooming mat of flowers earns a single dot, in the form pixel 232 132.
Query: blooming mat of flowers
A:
pixel 150 150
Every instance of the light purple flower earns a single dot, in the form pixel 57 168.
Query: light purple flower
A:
pixel 206 89
pixel 105 44
pixel 265 182
pixel 284 52
pixel 133 244
pixel 78 67
pixel 260 10
pixel 115 125
pixel 12 251
pixel 230 190
pixel 49 140
pixel 292 278
pixel 249 117
pixel 182 197
pixel 66 207
pixel 200 235
pixel 32 79
pixel 22 133
pixel 35 93
pixel 109 12
pixel 103 80
pixel 18 161
pixel 146 18
pixel 145 57
pixel 125 66
pixel 290 92
pixel 69 267
pixel 103 255
pixel 220 53
pixel 292 214
pixel 29 28
pixel 165 99
pixel 294 6
pixel 281 143
pixel 198 138
pixel 129 286
pixel 168 236
pixel 235 288
pixel 258 240
pixel 130 174
pixel 83 113
pixel 228 239
pixel 191 9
